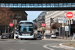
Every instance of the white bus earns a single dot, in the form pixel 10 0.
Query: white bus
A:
pixel 26 30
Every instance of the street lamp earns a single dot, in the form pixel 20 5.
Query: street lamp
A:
pixel 15 23
pixel 8 28
pixel 5 20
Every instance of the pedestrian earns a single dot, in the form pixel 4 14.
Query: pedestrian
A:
pixel 73 35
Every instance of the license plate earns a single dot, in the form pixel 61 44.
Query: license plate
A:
pixel 23 34
pixel 27 34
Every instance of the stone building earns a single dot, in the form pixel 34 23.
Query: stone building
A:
pixel 40 19
pixel 55 15
pixel 7 16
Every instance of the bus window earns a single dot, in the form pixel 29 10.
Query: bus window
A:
pixel 26 29
pixel 22 29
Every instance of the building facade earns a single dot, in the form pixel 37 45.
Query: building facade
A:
pixel 7 16
pixel 40 19
pixel 55 15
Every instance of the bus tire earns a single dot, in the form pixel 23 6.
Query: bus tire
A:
pixel 35 38
pixel 21 39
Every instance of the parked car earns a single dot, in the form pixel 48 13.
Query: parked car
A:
pixel 6 36
pixel 53 36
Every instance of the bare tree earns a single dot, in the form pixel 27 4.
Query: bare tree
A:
pixel 56 25
pixel 5 15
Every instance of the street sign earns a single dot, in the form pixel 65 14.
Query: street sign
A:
pixel 61 20
pixel 66 28
pixel 64 21
pixel 11 24
pixel 69 15
pixel 43 24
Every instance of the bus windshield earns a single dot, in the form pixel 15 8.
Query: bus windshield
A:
pixel 26 29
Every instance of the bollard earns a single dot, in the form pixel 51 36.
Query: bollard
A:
pixel 14 36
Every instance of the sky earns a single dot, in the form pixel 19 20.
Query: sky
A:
pixel 33 14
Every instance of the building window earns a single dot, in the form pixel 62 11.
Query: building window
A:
pixel 19 16
pixel 11 16
pixel 0 16
pixel 19 5
pixel 15 16
pixel 74 14
pixel 11 5
pixel 15 5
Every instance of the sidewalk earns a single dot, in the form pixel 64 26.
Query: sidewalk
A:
pixel 60 39
pixel 67 46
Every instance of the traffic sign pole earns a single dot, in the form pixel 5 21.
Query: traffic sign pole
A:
pixel 69 31
pixel 14 30
pixel 43 25
pixel 69 15
pixel 8 29
pixel 63 28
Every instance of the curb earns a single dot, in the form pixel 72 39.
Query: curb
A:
pixel 65 47
pixel 58 39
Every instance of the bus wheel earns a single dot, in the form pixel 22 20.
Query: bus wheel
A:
pixel 21 39
pixel 35 38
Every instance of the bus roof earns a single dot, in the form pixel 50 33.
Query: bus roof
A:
pixel 25 21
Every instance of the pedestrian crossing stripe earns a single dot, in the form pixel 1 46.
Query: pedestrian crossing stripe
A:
pixel 14 49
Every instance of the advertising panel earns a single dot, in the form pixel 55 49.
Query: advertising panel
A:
pixel 66 28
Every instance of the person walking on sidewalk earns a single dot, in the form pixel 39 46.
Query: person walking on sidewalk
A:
pixel 73 35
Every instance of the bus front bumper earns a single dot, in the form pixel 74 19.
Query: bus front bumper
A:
pixel 25 36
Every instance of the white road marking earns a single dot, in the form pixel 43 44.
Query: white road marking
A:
pixel 45 46
pixel 54 46
pixel 23 49
pixel 20 49
pixel 33 43
pixel 10 49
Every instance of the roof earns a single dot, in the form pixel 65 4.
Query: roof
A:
pixel 36 1
pixel 25 21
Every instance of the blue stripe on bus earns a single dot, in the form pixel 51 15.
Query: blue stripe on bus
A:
pixel 22 28
pixel 27 28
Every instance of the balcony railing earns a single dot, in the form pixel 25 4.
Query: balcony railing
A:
pixel 37 5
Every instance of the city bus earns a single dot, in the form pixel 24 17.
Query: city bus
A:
pixel 26 30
